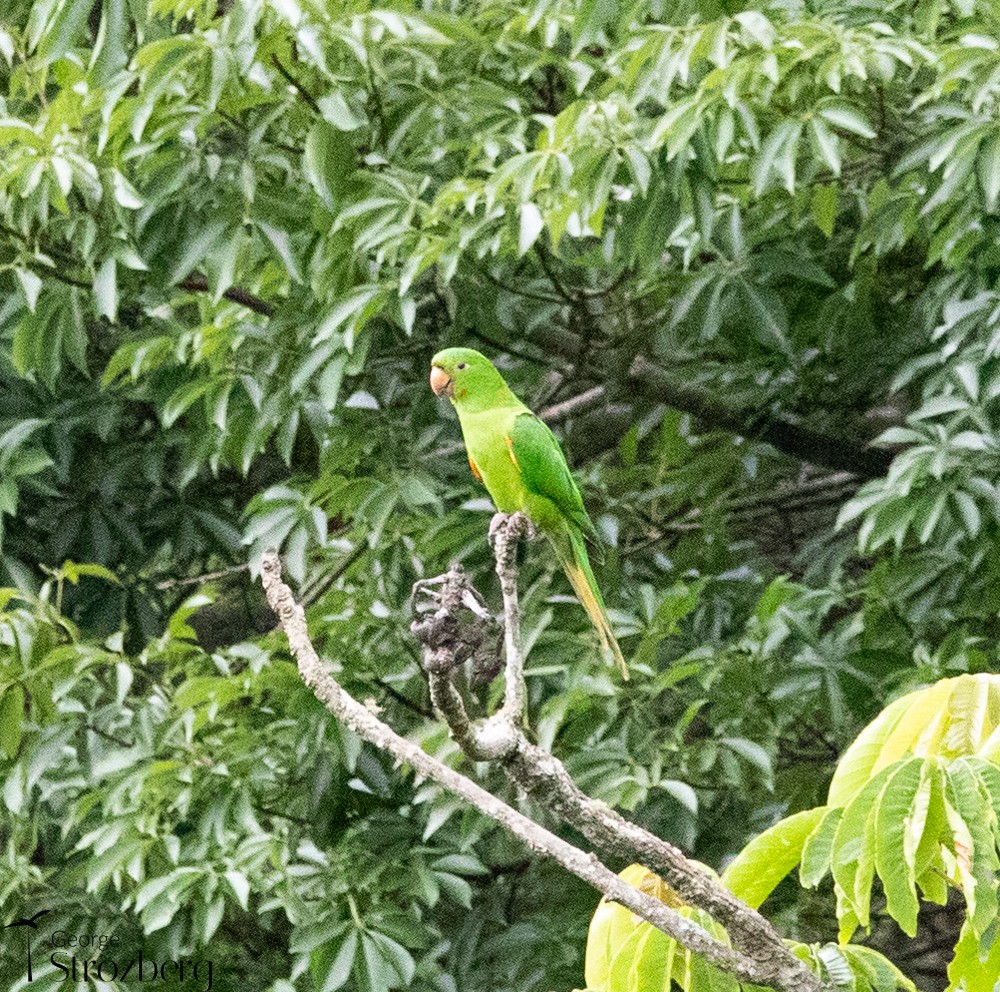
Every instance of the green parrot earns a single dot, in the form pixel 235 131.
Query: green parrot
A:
pixel 522 466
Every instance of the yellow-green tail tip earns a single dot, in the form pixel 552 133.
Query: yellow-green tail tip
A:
pixel 572 553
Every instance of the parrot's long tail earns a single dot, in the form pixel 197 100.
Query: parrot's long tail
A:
pixel 571 551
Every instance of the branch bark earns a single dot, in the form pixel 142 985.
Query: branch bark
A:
pixel 759 949
pixel 587 867
pixel 197 283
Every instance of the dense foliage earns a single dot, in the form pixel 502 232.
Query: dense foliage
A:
pixel 743 243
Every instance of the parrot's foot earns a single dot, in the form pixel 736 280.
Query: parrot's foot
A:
pixel 499 520
pixel 518 525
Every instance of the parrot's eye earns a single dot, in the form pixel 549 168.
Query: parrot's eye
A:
pixel 461 365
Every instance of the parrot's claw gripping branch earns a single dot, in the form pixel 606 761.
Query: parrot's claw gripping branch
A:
pixel 504 526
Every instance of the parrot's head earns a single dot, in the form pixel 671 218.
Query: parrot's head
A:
pixel 459 373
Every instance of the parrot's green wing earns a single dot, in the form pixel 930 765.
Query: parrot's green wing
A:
pixel 544 470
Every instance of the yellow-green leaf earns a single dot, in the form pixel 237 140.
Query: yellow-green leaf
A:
pixel 767 859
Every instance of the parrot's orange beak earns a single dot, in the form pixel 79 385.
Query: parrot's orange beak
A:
pixel 441 382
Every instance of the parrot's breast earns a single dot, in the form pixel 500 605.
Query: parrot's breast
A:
pixel 486 439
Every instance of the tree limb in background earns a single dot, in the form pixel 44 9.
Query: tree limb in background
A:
pixel 781 431
pixel 452 635
pixel 318 677
pixel 197 283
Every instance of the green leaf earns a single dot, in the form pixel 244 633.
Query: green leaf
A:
pixel 182 398
pixel 240 885
pixel 853 855
pixel 338 112
pixel 777 154
pixel 125 192
pixel 615 939
pixel 330 970
pixel 753 753
pixel 328 162
pixel 767 859
pixel 871 966
pixel 925 831
pixel 31 285
pixel 397 956
pixel 836 965
pixel 17 131
pixel 110 54
pixel 969 512
pixel 978 866
pixel 531 227
pixel 826 144
pixel 210 920
pixel 203 243
pixel 63 28
pixel 988 167
pixel 913 723
pixel 11 719
pixel 892 819
pixel 824 207
pixel 818 847
pixel 768 314
pixel 655 957
pixel 282 242
pixel 106 289
pixel 847 118
pixel 72 571
pixel 975 965
pixel 8 497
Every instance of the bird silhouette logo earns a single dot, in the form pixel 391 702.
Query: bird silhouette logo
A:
pixel 32 922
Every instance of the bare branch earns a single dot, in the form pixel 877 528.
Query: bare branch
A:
pixel 293 80
pixel 584 401
pixel 200 580
pixel 197 283
pixel 505 532
pixel 584 866
pixel 544 777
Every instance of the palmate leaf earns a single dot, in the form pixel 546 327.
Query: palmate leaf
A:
pixel 953 718
pixel 625 954
pixel 920 814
